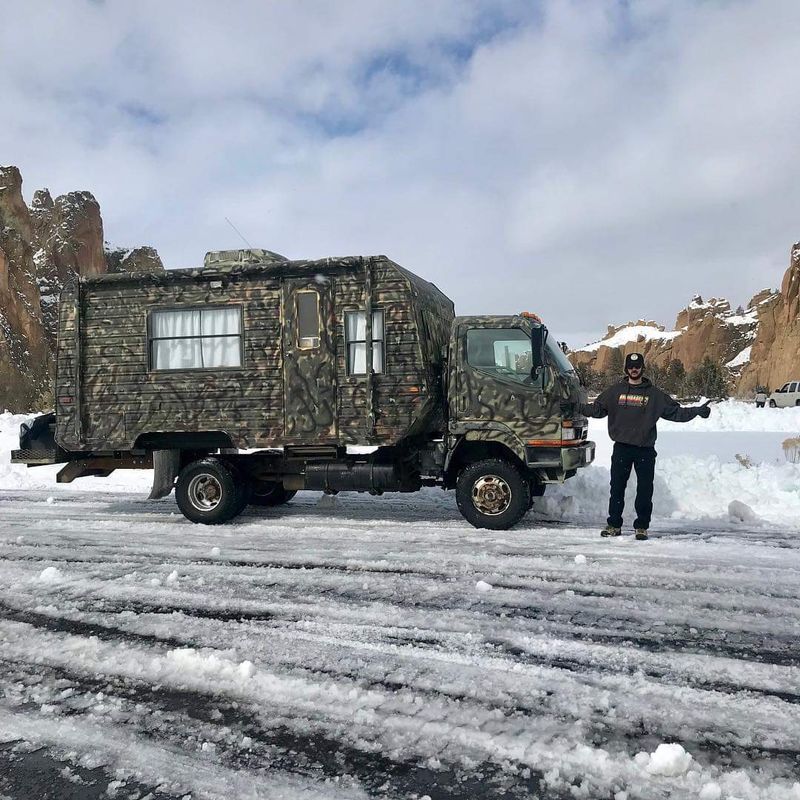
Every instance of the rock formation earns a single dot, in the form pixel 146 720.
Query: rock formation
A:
pixel 24 350
pixel 775 356
pixel 140 259
pixel 41 248
pixel 759 345
pixel 68 234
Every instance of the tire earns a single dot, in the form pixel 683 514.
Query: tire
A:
pixel 537 490
pixel 773 404
pixel 207 492
pixel 244 490
pixel 270 493
pixel 492 494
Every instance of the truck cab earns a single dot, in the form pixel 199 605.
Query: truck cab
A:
pixel 511 392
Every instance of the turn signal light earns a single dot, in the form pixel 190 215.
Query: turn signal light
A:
pixel 553 442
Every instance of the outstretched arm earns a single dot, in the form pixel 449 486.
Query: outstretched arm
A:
pixel 598 408
pixel 675 412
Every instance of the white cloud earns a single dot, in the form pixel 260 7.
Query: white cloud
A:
pixel 593 161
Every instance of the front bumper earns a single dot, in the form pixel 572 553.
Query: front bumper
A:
pixel 575 457
pixel 562 459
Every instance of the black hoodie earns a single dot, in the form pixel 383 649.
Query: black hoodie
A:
pixel 634 410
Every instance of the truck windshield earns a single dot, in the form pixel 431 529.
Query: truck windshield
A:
pixel 556 356
pixel 503 352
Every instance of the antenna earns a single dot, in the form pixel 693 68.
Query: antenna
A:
pixel 239 232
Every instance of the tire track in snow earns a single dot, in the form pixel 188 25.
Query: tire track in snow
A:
pixel 424 580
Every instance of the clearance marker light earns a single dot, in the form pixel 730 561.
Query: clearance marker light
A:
pixel 531 315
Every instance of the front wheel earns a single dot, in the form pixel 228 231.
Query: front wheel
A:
pixel 773 404
pixel 492 494
pixel 537 490
pixel 207 493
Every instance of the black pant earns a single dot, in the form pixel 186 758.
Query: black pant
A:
pixel 623 458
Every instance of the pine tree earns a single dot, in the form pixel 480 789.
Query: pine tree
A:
pixel 709 379
pixel 675 378
pixel 616 366
pixel 590 379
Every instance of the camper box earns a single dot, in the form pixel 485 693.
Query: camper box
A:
pixel 252 351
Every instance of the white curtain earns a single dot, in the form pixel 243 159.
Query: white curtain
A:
pixel 226 350
pixel 170 352
pixel 356 335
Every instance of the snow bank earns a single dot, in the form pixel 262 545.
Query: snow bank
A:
pixel 17 476
pixel 689 487
pixel 734 415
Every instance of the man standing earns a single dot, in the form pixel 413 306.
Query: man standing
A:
pixel 633 407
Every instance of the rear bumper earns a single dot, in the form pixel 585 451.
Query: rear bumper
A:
pixel 34 458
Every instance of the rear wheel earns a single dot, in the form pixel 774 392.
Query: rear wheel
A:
pixel 207 492
pixel 270 493
pixel 492 494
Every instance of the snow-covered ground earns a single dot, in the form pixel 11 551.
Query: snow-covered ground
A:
pixel 381 647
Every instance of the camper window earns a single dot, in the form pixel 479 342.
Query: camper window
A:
pixel 307 320
pixel 196 338
pixel 356 341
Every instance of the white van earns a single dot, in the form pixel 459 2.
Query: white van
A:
pixel 787 395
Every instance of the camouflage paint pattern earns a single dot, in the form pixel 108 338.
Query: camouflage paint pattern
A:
pixel 490 408
pixel 108 396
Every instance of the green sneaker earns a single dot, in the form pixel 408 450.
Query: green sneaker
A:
pixel 610 530
pixel 641 534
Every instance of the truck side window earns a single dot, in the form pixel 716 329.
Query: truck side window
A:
pixel 355 334
pixel 307 319
pixel 196 338
pixel 504 352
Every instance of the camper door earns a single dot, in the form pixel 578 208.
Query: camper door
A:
pixel 309 363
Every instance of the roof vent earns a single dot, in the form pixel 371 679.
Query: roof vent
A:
pixel 234 258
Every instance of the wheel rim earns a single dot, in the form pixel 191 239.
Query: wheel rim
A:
pixel 491 495
pixel 205 492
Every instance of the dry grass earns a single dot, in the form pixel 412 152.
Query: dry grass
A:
pixel 791 450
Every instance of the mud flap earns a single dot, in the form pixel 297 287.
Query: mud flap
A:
pixel 166 465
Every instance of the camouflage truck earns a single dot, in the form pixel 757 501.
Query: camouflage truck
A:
pixel 256 376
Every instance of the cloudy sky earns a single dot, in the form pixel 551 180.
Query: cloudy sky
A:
pixel 593 160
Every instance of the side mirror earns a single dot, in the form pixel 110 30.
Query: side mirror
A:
pixel 538 342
